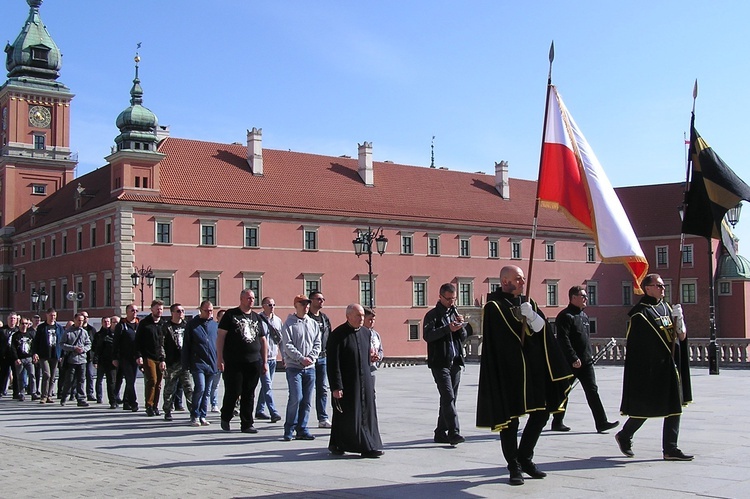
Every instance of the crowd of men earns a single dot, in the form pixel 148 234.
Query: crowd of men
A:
pixel 188 358
pixel 525 369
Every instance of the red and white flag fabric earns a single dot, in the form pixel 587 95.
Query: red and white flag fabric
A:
pixel 571 180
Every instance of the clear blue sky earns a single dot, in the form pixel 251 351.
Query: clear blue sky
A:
pixel 322 76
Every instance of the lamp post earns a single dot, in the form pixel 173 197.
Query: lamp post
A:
pixel 141 277
pixel 39 299
pixel 363 245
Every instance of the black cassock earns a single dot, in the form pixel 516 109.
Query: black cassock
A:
pixel 355 426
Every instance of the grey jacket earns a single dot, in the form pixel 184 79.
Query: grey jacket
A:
pixel 300 338
pixel 75 337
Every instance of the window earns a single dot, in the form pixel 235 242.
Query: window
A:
pixel 627 293
pixel 79 240
pixel 668 291
pixel 79 289
pixel 40 54
pixel 688 292
pixel 39 142
pixel 419 288
pixel 687 255
pixel 163 289
pixel 164 233
pixel 311 239
pixel 515 250
pixel 254 281
pixel 552 293
pixel 465 293
pixel 107 292
pixel 549 252
pixel 313 282
pixel 366 295
pixel 662 256
pixel 433 245
pixel 208 234
pixel 53 247
pixel 407 244
pixel 725 288
pixel 493 250
pixel 65 243
pixel 43 249
pixel 251 237
pixel 92 292
pixel 138 182
pixel 64 294
pixel 590 253
pixel 93 235
pixel 414 330
pixel 494 284
pixel 39 189
pixel 209 288
pixel 464 248
pixel 592 289
pixel 33 251
pixel 107 232
pixel 53 295
pixel 592 326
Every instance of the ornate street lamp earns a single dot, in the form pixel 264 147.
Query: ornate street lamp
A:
pixel 39 299
pixel 141 277
pixel 363 245
pixel 733 215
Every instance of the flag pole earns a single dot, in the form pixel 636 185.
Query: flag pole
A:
pixel 541 158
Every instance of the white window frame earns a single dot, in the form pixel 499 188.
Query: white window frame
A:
pixel 627 297
pixel 593 297
pixel 493 241
pixel 311 277
pixel 513 245
pixel 688 252
pixel 665 264
pixel 467 246
pixel 549 251
pixel 724 287
pixel 436 238
pixel 552 289
pixel 494 283
pixel 460 282
pixel 248 226
pixel 689 282
pixel 206 275
pixel 407 237
pixel 416 281
pixel 412 323
pixel 212 224
pixel 591 253
pixel 169 222
pixel 364 279
pixel 254 276
pixel 167 274
pixel 310 229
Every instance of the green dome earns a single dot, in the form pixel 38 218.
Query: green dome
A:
pixel 34 53
pixel 137 123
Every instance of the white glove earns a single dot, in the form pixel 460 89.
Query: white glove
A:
pixel 679 321
pixel 535 321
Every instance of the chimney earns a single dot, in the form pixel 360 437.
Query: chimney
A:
pixel 255 151
pixel 365 163
pixel 501 179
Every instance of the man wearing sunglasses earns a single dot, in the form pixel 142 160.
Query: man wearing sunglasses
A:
pixel 573 336
pixel 656 379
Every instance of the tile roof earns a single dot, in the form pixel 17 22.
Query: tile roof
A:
pixel 652 209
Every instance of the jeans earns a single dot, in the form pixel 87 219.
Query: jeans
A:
pixel 73 373
pixel 106 371
pixel 25 367
pixel 321 389
pixel 49 368
pixel 90 379
pixel 301 383
pixel 201 393
pixel 447 381
pixel 214 389
pixel 266 391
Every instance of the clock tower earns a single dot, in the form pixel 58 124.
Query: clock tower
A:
pixel 35 156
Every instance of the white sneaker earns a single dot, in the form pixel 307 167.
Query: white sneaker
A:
pixel 324 424
pixel 194 422
pixel 204 422
pixel 214 408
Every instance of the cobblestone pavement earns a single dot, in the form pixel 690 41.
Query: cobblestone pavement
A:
pixel 54 451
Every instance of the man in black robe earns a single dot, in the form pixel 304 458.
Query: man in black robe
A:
pixel 522 371
pixel 355 419
pixel 656 379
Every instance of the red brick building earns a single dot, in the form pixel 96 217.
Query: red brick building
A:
pixel 210 219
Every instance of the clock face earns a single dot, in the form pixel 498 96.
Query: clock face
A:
pixel 39 116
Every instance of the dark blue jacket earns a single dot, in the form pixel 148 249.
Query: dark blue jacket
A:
pixel 199 345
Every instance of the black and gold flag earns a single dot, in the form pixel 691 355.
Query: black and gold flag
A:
pixel 714 189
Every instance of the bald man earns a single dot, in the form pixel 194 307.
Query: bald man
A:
pixel 514 377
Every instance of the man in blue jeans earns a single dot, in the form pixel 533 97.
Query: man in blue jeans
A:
pixel 274 325
pixel 321 376
pixel 199 357
pixel 300 347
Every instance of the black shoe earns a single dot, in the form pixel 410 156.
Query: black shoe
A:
pixel 560 427
pixel 275 418
pixel 455 439
pixel 126 406
pixel 156 411
pixel 98 401
pixel 113 406
pixel 134 408
pixel 528 467
pixel 179 408
pixel 249 429
pixel 168 416
pixel 82 403
pixel 225 425
pixel 677 455
pixel 441 438
pixel 626 446
pixel 262 416
pixel 335 451
pixel 516 477
pixel 35 397
pixel 607 426
pixel 62 402
pixel 304 436
pixel 91 398
pixel 372 454
pixel 149 411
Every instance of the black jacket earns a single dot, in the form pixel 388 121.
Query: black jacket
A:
pixel 443 345
pixel 573 335
pixel 149 341
pixel 173 349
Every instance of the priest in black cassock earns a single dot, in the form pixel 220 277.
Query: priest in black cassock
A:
pixel 355 420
